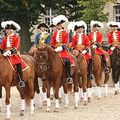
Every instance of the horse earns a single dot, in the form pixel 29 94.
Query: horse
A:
pixel 97 72
pixel 8 78
pixel 50 62
pixel 82 73
pixel 115 63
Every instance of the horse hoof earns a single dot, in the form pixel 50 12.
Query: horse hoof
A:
pixel 76 107
pixel 32 113
pixel 116 93
pixel 66 106
pixel 48 109
pixel 85 103
pixel 89 100
pixel 44 103
pixel 56 110
pixel 22 113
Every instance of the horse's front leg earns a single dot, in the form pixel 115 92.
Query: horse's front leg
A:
pixel 57 85
pixel 22 102
pixel 0 97
pixel 89 90
pixel 7 100
pixel 84 86
pixel 48 97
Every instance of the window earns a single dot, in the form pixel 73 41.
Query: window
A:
pixel 117 13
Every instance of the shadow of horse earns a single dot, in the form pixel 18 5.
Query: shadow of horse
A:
pixel 115 63
pixel 8 78
pixel 50 62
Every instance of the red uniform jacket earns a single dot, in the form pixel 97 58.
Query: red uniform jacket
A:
pixel 14 43
pixel 113 37
pixel 80 47
pixel 63 40
pixel 99 37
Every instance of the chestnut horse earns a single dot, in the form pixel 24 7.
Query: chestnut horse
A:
pixel 49 61
pixel 8 78
pixel 97 71
pixel 115 63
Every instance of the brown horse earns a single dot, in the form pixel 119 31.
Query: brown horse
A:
pixel 115 63
pixel 82 73
pixel 97 71
pixel 8 78
pixel 50 62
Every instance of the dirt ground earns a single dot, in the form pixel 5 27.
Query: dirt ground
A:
pixel 102 109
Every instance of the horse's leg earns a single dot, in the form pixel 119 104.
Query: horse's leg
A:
pixel 65 95
pixel 89 90
pixel 116 79
pixel 29 89
pixel 48 97
pixel 80 89
pixel 37 89
pixel 98 77
pixel 7 100
pixel 105 83
pixel 51 92
pixel 84 86
pixel 44 91
pixel 60 94
pixel 57 85
pixel 0 97
pixel 76 90
pixel 22 102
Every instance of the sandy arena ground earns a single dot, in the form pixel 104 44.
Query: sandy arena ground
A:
pixel 102 109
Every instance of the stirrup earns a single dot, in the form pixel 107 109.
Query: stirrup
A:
pixel 69 80
pixel 21 83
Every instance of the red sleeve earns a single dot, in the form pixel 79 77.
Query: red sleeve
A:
pixel 3 44
pixel 74 42
pixel 89 37
pixel 17 42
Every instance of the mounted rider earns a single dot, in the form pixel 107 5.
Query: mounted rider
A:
pixel 95 38
pixel 81 44
pixel 113 36
pixel 43 36
pixel 10 47
pixel 59 42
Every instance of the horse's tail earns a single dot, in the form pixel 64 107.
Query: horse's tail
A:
pixel 69 87
pixel 27 94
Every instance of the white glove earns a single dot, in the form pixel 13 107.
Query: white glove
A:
pixel 84 51
pixel 7 53
pixel 59 49
pixel 94 46
pixel 112 48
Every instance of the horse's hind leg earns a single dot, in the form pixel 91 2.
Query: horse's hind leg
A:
pixel 0 97
pixel 44 91
pixel 22 102
pixel 7 100
pixel 105 83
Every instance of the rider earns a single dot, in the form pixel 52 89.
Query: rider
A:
pixel 95 38
pixel 59 42
pixel 81 44
pixel 10 47
pixel 113 36
pixel 43 36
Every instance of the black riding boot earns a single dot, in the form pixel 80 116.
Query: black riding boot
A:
pixel 68 70
pixel 90 70
pixel 20 75
pixel 104 64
